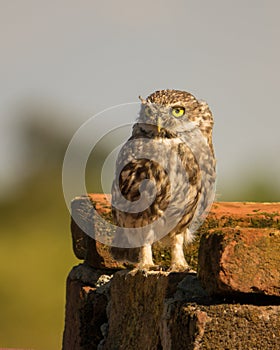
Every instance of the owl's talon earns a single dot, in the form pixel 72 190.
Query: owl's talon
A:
pixel 158 268
pixel 180 268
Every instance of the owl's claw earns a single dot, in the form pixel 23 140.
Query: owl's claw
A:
pixel 180 268
pixel 146 268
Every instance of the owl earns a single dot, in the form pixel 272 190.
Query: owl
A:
pixel 165 178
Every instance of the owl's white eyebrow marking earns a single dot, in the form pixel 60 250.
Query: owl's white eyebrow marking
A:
pixel 169 142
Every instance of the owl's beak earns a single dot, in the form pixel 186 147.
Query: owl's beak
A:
pixel 159 125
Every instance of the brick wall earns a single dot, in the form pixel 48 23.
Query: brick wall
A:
pixel 232 303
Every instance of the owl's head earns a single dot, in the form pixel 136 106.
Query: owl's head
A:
pixel 173 111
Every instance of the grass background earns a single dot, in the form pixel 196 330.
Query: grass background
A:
pixel 35 257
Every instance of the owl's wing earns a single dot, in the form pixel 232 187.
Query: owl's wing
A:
pixel 139 195
pixel 140 192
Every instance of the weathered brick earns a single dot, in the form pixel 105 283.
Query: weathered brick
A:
pixel 85 312
pixel 222 214
pixel 238 266
pixel 240 260
pixel 85 225
pixel 160 310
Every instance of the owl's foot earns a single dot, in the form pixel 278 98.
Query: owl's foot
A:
pixel 179 267
pixel 152 267
pixel 148 268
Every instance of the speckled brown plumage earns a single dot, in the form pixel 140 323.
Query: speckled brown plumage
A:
pixel 184 141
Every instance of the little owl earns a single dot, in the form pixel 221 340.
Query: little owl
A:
pixel 165 178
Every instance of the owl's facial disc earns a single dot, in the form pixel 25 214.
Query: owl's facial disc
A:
pixel 164 119
pixel 153 115
pixel 149 112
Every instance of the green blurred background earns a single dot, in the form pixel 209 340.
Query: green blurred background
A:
pixel 63 61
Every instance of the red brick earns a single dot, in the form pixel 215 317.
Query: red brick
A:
pixel 240 260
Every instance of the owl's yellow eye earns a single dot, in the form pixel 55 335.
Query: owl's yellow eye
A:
pixel 178 111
